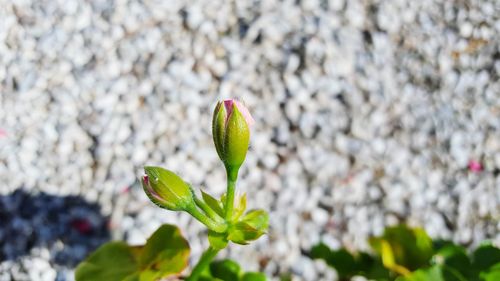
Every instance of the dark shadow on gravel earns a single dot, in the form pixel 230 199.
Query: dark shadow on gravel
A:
pixel 69 227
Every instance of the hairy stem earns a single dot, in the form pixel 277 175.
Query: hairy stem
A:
pixel 201 217
pixel 232 175
pixel 209 211
pixel 204 261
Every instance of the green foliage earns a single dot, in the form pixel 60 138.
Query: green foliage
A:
pixel 213 203
pixel 408 254
pixel 454 257
pixel 253 225
pixel 432 273
pixel 112 261
pixel 226 270
pixel 351 264
pixel 242 229
pixel 492 274
pixel 485 257
pixel 403 249
pixel 165 254
pixel 229 270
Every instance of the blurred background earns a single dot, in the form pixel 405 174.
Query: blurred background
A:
pixel 368 113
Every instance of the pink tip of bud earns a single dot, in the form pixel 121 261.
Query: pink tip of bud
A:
pixel 228 104
pixel 475 166
pixel 145 180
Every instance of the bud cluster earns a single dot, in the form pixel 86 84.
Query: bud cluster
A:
pixel 226 222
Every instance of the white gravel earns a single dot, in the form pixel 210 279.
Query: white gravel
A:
pixel 368 112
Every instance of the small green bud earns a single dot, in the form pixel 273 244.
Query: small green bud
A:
pixel 231 132
pixel 166 189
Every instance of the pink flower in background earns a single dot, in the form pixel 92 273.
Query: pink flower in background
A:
pixel 125 190
pixel 475 166
pixel 3 133
pixel 83 226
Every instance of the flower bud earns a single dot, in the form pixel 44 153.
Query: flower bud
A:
pixel 166 189
pixel 231 132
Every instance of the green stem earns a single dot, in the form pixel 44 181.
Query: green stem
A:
pixel 212 225
pixel 232 175
pixel 204 261
pixel 209 211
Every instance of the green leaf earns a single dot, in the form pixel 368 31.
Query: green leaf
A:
pixel 451 274
pixel 166 251
pixel 217 240
pixel 387 253
pixel 428 274
pixel 439 244
pixel 344 263
pixel 403 248
pixel 321 251
pixel 113 261
pixel 371 267
pixel 254 276
pixel 165 254
pixel 434 273
pixel 213 203
pixel 242 233
pixel 258 219
pixel 455 258
pixel 226 270
pixel 229 270
pixel 493 274
pixel 485 256
pixel 348 265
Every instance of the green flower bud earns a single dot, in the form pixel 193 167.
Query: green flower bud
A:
pixel 166 189
pixel 231 132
